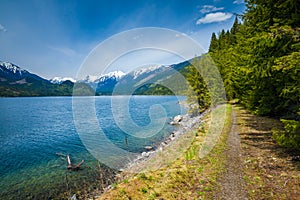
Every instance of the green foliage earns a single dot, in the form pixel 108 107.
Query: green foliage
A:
pixel 190 153
pixel 261 14
pixel 205 84
pixel 259 59
pixel 174 84
pixel 144 190
pixel 34 87
pixel 82 89
pixel 290 136
pixel 214 44
pixel 153 89
pixel 199 92
pixel 259 62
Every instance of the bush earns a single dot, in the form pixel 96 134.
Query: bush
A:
pixel 290 136
pixel 144 190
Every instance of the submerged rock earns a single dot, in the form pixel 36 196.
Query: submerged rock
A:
pixel 149 148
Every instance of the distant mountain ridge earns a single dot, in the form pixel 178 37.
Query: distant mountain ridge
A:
pixel 104 83
pixel 15 81
pixel 12 72
pixel 137 82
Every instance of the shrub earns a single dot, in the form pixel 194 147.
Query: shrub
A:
pixel 144 190
pixel 290 136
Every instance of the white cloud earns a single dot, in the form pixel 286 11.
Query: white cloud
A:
pixel 214 17
pixel 210 8
pixel 238 1
pixel 2 28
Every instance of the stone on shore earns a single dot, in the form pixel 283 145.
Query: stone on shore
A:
pixel 145 154
pixel 176 120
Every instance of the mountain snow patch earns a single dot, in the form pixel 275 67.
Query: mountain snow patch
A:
pixel 141 71
pixel 111 75
pixel 13 68
pixel 59 80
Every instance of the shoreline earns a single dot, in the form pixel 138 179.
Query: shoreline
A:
pixel 185 126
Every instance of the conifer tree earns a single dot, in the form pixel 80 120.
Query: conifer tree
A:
pixel 214 46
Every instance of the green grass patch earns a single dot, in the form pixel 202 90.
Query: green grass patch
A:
pixel 189 175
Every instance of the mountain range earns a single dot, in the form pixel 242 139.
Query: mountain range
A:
pixel 15 81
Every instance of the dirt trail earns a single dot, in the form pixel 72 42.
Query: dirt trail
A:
pixel 270 171
pixel 232 182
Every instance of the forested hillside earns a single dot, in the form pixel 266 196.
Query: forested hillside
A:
pixel 259 63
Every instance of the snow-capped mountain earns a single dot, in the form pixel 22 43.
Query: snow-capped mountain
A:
pixel 105 83
pixel 127 83
pixel 111 75
pixel 11 72
pixel 142 77
pixel 15 81
pixel 12 68
pixel 146 70
pixel 115 75
pixel 60 80
pixel 90 79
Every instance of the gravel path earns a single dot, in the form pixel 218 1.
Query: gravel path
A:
pixel 232 182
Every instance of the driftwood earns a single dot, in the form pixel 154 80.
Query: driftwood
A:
pixel 73 167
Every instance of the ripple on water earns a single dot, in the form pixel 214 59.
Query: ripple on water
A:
pixel 34 130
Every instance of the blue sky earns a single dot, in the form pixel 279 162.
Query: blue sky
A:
pixel 53 38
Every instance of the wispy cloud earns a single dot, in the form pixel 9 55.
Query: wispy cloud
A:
pixel 214 17
pixel 238 1
pixel 2 28
pixel 210 8
pixel 66 51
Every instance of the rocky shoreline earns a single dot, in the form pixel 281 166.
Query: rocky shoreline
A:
pixel 184 123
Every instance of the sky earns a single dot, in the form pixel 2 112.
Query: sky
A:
pixel 55 37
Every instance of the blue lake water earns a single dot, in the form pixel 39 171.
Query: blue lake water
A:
pixel 37 132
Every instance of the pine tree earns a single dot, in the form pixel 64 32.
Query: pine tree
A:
pixel 234 31
pixel 199 95
pixel 214 46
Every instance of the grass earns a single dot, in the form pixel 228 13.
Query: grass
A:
pixel 190 176
pixel 269 170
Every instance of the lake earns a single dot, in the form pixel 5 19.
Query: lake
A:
pixel 36 134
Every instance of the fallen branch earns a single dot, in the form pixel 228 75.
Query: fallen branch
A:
pixel 73 167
